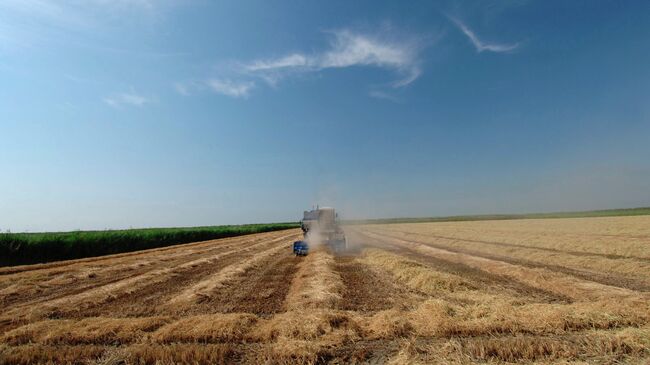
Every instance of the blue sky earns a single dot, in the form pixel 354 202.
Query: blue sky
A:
pixel 136 113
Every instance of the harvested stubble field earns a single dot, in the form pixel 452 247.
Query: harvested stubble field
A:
pixel 573 290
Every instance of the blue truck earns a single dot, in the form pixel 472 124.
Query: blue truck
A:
pixel 300 248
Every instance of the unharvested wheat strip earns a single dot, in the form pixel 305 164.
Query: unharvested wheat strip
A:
pixel 103 293
pixel 566 285
pixel 316 284
pixel 205 288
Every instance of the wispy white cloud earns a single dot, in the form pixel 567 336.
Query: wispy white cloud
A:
pixel 236 89
pixel 378 94
pixel 346 49
pixel 290 61
pixel 127 99
pixel 350 49
pixel 189 87
pixel 182 88
pixel 481 45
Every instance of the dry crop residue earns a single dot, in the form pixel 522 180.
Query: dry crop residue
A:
pixel 541 291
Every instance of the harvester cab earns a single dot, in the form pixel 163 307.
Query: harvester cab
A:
pixel 321 226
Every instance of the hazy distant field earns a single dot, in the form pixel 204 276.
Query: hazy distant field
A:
pixel 491 217
pixel 544 291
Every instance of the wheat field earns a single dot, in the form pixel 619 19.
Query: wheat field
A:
pixel 574 290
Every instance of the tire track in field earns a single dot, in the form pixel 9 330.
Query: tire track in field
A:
pixel 609 279
pixel 489 282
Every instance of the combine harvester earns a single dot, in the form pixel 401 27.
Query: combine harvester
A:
pixel 320 226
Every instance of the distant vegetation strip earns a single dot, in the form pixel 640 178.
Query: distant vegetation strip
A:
pixel 29 248
pixel 581 214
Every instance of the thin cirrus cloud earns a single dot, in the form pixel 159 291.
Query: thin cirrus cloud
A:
pixel 26 17
pixel 481 45
pixel 236 89
pixel 40 24
pixel 127 99
pixel 345 49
